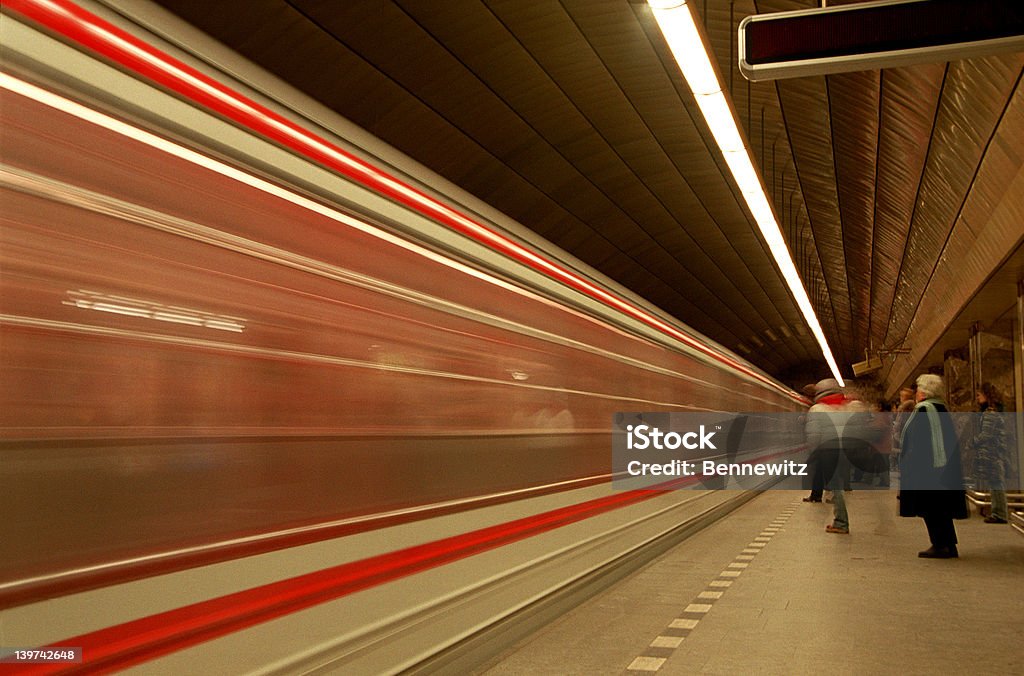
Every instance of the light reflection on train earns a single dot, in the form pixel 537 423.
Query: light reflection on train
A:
pixel 190 362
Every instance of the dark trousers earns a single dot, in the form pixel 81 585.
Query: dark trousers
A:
pixel 817 476
pixel 823 464
pixel 941 531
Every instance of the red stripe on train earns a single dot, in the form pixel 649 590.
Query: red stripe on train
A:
pixel 218 553
pixel 150 637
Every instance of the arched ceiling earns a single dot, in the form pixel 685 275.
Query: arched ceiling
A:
pixel 899 191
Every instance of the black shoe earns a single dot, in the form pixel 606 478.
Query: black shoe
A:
pixel 934 552
pixel 812 499
pixel 994 519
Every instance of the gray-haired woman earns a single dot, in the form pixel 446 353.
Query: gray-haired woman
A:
pixel 931 481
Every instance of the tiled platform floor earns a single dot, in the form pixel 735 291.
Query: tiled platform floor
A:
pixel 767 591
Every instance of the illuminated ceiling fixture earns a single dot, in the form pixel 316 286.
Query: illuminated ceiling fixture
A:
pixel 687 44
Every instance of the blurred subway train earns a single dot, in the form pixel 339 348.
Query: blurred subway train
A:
pixel 274 398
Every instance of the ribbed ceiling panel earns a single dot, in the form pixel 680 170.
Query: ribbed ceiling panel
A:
pixel 909 100
pixel 805 109
pixel 974 97
pixel 989 226
pixel 854 106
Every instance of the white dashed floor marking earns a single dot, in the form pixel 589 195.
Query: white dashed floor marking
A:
pixel 667 641
pixel 662 647
pixel 646 664
pixel 683 623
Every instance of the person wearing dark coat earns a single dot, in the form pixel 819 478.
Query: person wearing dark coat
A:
pixel 931 480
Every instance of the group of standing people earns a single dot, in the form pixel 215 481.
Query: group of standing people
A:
pixel 840 429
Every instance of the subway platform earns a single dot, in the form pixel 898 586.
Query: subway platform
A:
pixel 767 591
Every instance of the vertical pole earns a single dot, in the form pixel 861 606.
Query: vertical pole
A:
pixel 750 127
pixel 1018 382
pixel 782 190
pixel 791 223
pixel 762 139
pixel 732 47
pixel 974 357
pixel 773 167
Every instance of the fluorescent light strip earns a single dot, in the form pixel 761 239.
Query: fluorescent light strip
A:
pixel 687 45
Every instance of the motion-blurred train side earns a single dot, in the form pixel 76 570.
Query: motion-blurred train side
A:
pixel 259 415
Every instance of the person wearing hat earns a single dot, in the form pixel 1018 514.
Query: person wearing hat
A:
pixel 825 393
pixel 824 432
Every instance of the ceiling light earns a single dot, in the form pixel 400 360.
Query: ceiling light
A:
pixel 688 47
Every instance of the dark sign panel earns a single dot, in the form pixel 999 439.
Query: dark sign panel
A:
pixel 876 35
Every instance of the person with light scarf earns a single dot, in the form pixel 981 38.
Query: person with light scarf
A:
pixel 931 479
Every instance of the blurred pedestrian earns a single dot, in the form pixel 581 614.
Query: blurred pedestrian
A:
pixel 825 393
pixel 901 413
pixel 931 480
pixel 874 460
pixel 824 432
pixel 883 423
pixel 990 451
pixel 908 399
